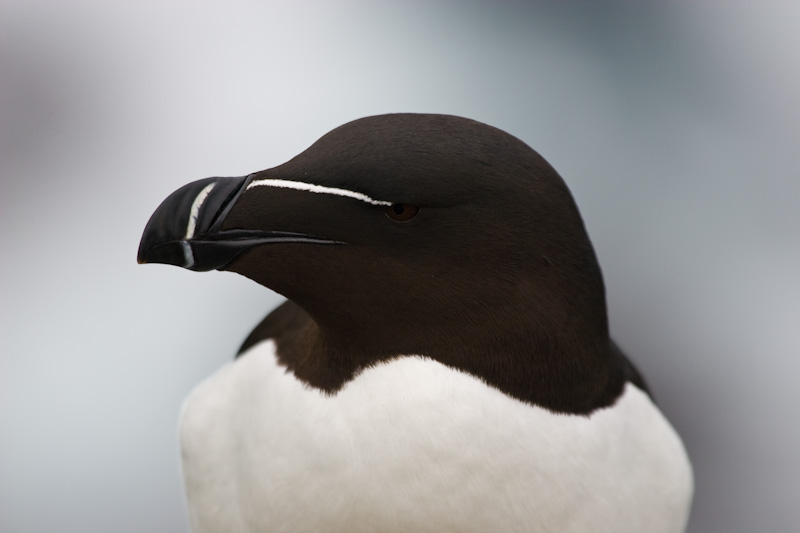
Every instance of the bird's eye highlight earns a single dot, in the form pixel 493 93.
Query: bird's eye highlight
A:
pixel 402 212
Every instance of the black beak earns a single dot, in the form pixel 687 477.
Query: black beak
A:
pixel 186 229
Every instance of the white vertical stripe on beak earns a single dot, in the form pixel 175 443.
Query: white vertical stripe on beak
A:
pixel 191 226
pixel 188 256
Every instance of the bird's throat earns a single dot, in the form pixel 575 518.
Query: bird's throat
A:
pixel 562 375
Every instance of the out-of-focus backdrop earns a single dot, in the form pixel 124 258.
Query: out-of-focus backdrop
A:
pixel 677 126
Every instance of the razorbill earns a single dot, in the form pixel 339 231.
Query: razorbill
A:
pixel 443 361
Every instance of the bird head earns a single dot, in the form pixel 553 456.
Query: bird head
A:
pixel 399 234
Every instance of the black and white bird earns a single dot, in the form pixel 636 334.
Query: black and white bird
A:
pixel 443 361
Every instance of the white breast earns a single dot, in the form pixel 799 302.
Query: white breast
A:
pixel 413 445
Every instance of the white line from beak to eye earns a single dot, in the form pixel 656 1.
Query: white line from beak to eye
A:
pixel 310 187
pixel 191 226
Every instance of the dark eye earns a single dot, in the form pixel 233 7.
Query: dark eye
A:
pixel 402 212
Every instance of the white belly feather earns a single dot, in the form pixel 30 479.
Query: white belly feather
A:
pixel 413 445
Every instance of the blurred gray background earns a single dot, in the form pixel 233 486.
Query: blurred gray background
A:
pixel 677 126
